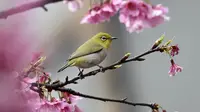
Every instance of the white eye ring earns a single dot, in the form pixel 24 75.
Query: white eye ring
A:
pixel 103 38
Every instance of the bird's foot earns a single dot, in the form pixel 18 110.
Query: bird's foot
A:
pixel 101 68
pixel 81 74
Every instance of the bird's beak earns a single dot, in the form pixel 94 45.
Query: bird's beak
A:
pixel 113 38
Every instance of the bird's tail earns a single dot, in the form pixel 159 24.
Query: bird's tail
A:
pixel 63 68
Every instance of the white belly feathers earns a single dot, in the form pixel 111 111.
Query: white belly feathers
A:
pixel 93 59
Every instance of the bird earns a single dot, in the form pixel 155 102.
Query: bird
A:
pixel 91 53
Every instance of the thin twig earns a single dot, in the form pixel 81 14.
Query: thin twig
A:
pixel 27 6
pixel 152 106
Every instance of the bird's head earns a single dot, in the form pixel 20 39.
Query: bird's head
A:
pixel 104 39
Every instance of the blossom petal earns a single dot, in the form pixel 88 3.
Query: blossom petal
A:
pixel 137 15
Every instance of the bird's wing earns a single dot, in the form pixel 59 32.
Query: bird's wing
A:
pixel 86 49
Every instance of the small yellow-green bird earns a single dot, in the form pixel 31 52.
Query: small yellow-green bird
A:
pixel 91 53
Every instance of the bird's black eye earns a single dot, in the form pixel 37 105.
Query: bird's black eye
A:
pixel 103 38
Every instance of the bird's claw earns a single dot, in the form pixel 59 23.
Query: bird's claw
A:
pixel 81 74
pixel 101 68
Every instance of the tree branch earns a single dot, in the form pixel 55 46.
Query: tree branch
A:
pixel 123 60
pixel 123 101
pixel 27 6
pixel 59 86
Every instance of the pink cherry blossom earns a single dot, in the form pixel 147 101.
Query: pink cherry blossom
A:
pixel 50 106
pixel 174 50
pixel 44 78
pixel 174 68
pixel 70 98
pixel 15 53
pixel 30 80
pixel 66 107
pixel 137 15
pixel 57 105
pixel 101 13
pixel 116 4
pixel 31 98
pixel 73 5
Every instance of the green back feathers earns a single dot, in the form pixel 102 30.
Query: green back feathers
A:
pixel 86 49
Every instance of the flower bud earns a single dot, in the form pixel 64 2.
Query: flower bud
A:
pixel 158 41
pixel 168 42
pixel 117 66
pixel 125 57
